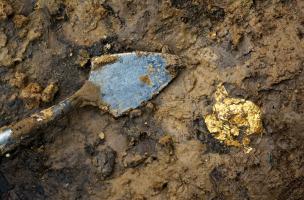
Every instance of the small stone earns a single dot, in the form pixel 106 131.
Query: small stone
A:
pixel 104 161
pixel 107 47
pixel 101 135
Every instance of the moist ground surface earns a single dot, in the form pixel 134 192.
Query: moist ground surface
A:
pixel 162 150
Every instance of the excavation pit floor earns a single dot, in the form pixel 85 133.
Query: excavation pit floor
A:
pixel 164 149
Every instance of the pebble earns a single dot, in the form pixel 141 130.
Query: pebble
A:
pixel 101 135
pixel 104 161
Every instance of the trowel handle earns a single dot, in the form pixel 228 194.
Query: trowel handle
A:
pixel 12 135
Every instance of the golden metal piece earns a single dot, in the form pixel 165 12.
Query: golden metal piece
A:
pixel 233 120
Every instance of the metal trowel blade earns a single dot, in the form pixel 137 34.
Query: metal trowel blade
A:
pixel 127 80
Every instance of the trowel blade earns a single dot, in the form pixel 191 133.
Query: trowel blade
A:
pixel 127 80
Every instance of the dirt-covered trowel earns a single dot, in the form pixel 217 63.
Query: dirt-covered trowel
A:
pixel 117 84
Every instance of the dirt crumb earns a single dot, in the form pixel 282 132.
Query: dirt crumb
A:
pixel 174 64
pixel 20 21
pixel 3 39
pixel 135 113
pixel 236 36
pixel 83 58
pixel 103 60
pixel 49 92
pixel 5 9
pixel 5 57
pixel 31 95
pixel 18 80
pixel 145 79
pixel 166 140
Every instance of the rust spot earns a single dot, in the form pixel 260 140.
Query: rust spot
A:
pixel 145 79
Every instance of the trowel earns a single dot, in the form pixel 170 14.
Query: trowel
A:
pixel 117 84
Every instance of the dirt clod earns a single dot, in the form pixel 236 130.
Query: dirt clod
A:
pixel 103 60
pixel 83 58
pixel 104 161
pixel 31 95
pixel 20 20
pixel 49 92
pixel 145 79
pixel 3 39
pixel 18 80
pixel 135 113
pixel 5 9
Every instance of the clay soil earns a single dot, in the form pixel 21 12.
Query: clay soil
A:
pixel 163 149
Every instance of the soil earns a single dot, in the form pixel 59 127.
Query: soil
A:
pixel 163 150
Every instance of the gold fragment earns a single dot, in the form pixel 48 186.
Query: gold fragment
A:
pixel 233 120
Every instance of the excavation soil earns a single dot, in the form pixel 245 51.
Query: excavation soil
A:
pixel 162 150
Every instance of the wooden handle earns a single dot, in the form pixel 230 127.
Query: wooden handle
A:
pixel 11 136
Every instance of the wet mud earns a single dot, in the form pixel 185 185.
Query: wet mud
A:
pixel 162 150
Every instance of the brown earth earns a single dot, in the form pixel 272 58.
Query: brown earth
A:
pixel 162 150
